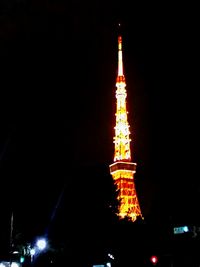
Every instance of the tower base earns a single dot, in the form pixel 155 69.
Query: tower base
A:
pixel 123 176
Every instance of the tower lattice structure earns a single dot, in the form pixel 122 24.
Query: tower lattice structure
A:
pixel 123 169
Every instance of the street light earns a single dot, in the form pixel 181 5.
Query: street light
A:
pixel 41 244
pixel 32 253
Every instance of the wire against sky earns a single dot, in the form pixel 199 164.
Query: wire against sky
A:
pixel 56 207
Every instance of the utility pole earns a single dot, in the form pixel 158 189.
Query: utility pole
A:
pixel 11 238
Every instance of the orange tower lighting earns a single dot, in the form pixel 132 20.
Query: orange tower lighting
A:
pixel 123 169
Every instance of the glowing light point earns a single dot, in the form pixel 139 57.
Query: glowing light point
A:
pixel 41 244
pixel 32 252
pixel 22 259
pixel 154 259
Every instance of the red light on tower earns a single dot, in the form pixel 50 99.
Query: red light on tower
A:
pixel 154 259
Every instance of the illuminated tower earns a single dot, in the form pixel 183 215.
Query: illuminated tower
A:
pixel 123 169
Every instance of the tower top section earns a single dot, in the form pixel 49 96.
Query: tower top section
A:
pixel 121 138
pixel 120 76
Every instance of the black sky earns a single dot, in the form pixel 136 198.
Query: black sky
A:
pixel 58 70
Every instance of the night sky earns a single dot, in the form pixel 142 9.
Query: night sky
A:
pixel 57 104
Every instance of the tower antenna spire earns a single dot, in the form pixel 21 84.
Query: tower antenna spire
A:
pixel 119 28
